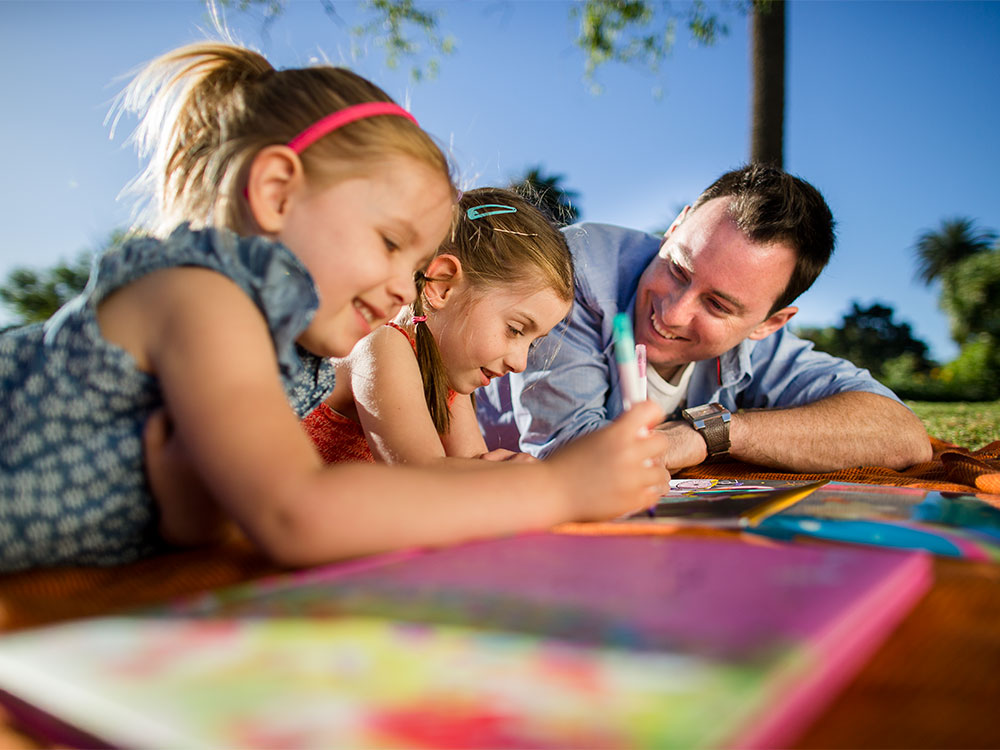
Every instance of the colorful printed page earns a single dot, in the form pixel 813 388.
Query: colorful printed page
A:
pixel 531 641
pixel 732 501
pixel 705 504
pixel 944 523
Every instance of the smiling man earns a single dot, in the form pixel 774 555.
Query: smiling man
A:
pixel 710 300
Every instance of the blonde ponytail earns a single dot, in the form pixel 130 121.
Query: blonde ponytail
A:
pixel 207 109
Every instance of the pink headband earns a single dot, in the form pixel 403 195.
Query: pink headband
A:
pixel 331 122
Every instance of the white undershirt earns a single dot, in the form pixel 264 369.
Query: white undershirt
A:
pixel 668 395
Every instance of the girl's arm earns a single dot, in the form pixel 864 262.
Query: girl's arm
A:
pixel 464 438
pixel 389 398
pixel 213 355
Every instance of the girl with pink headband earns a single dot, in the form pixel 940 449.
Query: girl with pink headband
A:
pixel 500 282
pixel 291 210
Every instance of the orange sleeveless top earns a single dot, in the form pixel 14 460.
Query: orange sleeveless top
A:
pixel 342 440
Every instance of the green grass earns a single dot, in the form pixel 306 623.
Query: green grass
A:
pixel 969 424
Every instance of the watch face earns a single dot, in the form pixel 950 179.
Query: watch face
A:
pixel 705 410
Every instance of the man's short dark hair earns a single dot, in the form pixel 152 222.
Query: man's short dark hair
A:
pixel 770 205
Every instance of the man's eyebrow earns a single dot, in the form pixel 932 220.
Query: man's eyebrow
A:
pixel 681 255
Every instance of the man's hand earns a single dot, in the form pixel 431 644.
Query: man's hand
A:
pixel 686 446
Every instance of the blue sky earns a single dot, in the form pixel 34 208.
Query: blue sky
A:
pixel 892 110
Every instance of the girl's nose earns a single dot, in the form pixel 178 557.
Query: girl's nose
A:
pixel 517 360
pixel 402 287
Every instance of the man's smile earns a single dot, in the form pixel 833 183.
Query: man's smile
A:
pixel 662 332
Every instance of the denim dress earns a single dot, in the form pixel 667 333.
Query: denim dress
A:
pixel 73 406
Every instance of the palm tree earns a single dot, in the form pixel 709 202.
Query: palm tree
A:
pixel 957 239
pixel 767 55
pixel 547 192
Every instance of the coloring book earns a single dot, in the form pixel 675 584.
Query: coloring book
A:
pixel 946 523
pixel 705 504
pixel 725 502
pixel 531 641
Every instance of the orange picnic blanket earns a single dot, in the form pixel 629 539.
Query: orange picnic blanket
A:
pixel 952 469
pixel 37 597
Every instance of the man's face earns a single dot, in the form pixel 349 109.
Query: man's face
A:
pixel 707 289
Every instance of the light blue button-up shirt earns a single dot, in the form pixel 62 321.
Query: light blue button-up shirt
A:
pixel 571 385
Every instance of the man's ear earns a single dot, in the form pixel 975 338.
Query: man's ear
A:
pixel 773 323
pixel 276 176
pixel 444 275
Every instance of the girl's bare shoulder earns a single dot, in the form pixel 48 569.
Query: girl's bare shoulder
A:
pixel 384 341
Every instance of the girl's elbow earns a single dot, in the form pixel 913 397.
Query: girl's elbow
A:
pixel 289 536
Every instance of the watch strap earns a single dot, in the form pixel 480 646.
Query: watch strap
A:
pixel 713 428
pixel 716 434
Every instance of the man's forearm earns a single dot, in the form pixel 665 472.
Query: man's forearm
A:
pixel 848 429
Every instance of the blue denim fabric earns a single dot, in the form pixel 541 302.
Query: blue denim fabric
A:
pixel 571 385
pixel 73 406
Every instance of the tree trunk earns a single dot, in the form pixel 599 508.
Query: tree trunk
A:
pixel 767 55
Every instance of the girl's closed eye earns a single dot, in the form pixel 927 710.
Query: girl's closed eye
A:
pixel 390 245
pixel 514 332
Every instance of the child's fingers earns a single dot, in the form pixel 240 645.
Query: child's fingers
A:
pixel 654 473
pixel 497 454
pixel 644 415
pixel 523 458
pixel 502 454
pixel 155 439
pixel 154 434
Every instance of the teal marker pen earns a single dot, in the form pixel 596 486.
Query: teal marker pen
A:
pixel 628 366
pixel 628 369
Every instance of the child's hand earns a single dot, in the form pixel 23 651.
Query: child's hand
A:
pixel 188 515
pixel 502 454
pixel 618 469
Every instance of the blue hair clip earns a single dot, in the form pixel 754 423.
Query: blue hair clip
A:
pixel 489 209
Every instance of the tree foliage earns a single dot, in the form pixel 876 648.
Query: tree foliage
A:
pixel 547 192
pixel 637 31
pixel 33 295
pixel 395 24
pixel 970 295
pixel 939 250
pixel 965 259
pixel 868 337
pixel 974 371
pixel 400 27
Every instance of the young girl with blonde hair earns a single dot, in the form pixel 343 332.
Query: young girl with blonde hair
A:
pixel 293 208
pixel 499 283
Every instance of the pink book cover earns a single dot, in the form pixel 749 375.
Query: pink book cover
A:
pixel 540 640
